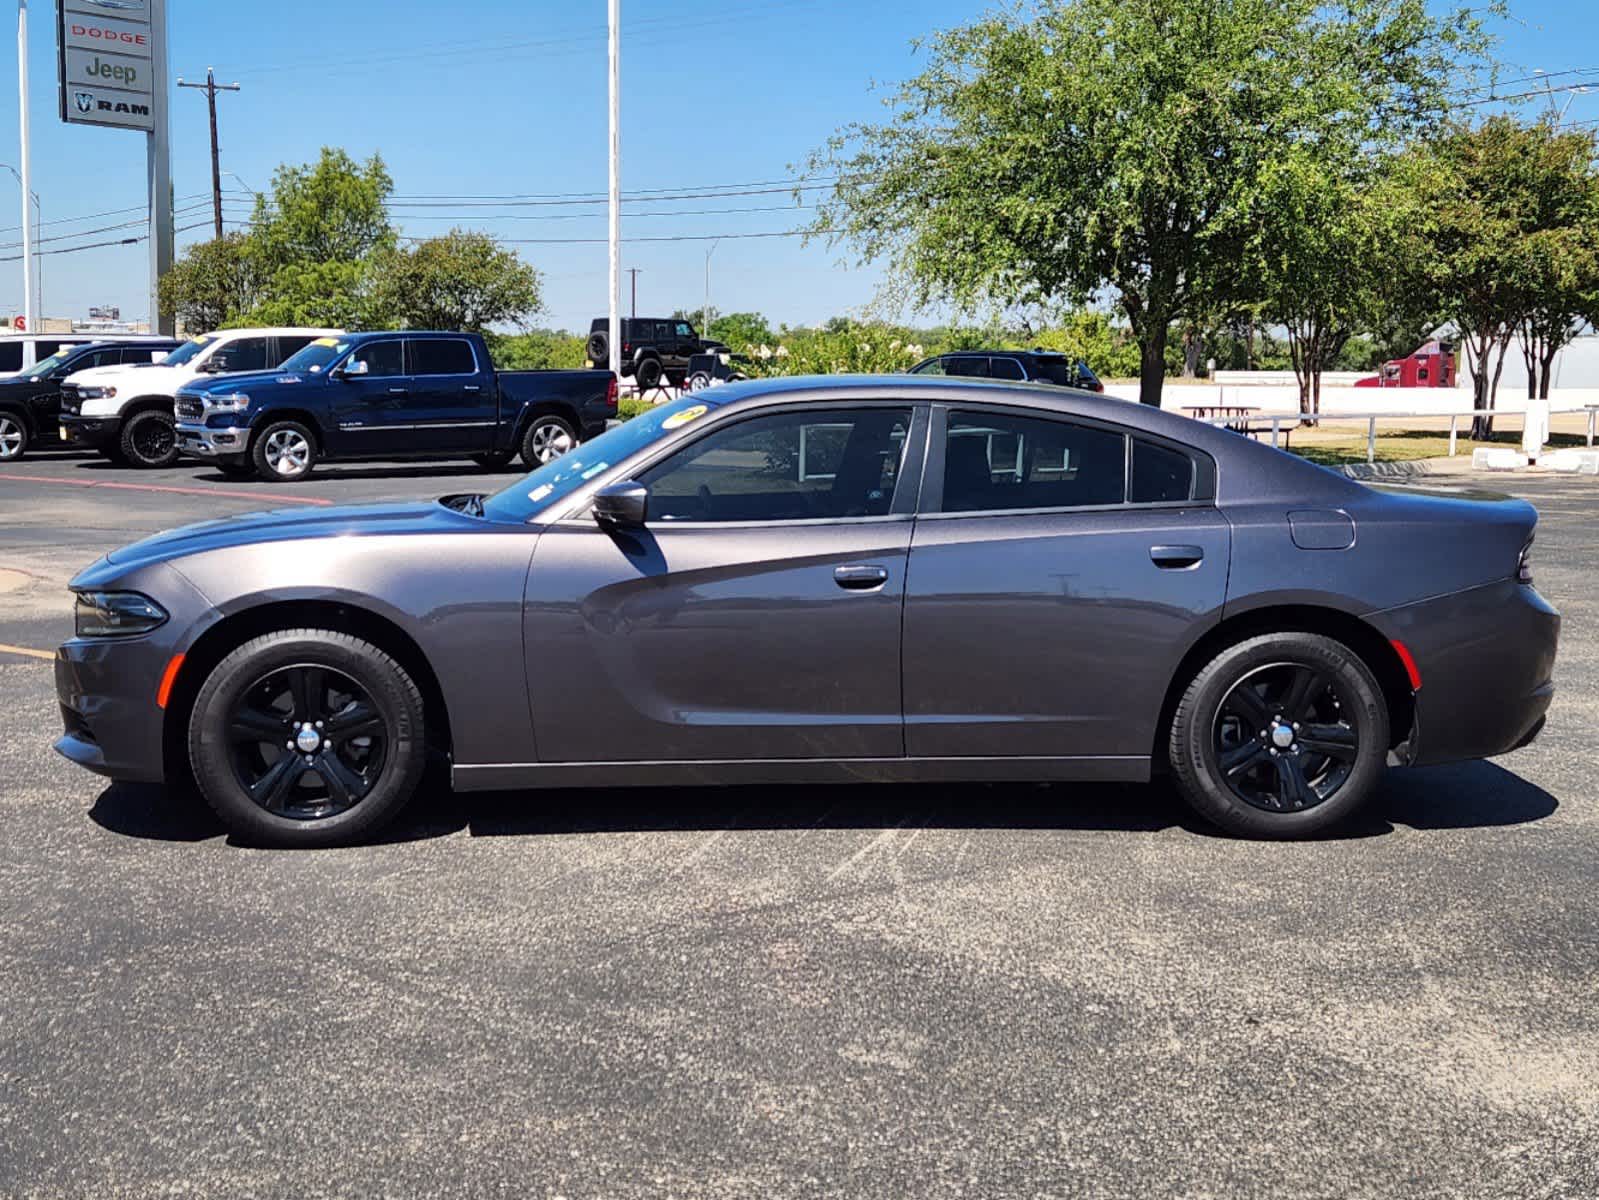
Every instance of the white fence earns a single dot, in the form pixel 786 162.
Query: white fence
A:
pixel 1351 402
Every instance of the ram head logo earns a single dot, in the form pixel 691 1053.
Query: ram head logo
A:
pixel 84 101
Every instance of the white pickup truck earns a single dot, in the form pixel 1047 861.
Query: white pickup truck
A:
pixel 125 412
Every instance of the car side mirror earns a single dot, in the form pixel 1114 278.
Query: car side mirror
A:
pixel 356 367
pixel 624 504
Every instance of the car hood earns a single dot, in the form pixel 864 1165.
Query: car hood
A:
pixel 254 529
pixel 10 385
pixel 223 385
pixel 152 376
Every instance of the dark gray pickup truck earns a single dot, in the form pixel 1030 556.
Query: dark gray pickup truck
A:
pixel 393 395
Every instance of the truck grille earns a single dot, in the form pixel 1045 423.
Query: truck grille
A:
pixel 71 402
pixel 189 409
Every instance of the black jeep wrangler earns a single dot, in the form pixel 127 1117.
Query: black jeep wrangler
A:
pixel 652 347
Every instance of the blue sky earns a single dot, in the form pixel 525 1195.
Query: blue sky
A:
pixel 489 97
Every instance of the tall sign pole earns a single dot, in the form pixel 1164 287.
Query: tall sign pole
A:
pixel 111 60
pixel 159 161
pixel 616 186
pixel 30 316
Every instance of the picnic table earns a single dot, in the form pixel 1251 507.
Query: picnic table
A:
pixel 1236 415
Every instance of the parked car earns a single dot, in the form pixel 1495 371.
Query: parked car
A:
pixel 1038 366
pixel 125 412
pixel 415 394
pixel 19 351
pixel 653 348
pixel 827 580
pixel 704 370
pixel 30 401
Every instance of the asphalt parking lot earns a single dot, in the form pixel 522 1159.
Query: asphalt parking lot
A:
pixel 976 991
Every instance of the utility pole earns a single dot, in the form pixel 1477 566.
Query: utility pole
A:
pixel 705 318
pixel 614 10
pixel 30 316
pixel 211 87
pixel 633 271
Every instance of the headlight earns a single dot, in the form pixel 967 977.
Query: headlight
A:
pixel 232 402
pixel 116 614
pixel 97 393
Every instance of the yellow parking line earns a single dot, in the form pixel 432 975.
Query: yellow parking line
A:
pixel 47 655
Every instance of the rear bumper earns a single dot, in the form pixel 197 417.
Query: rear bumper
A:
pixel 1486 657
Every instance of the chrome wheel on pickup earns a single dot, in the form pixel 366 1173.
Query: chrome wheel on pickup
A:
pixel 284 451
pixel 548 437
pixel 13 437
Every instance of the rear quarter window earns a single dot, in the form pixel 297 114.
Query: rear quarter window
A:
pixel 1160 474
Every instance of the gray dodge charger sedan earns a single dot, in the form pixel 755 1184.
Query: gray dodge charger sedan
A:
pixel 827 580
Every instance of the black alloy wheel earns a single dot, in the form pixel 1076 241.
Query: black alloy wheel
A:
pixel 1280 735
pixel 307 737
pixel 149 439
pixel 307 741
pixel 1283 740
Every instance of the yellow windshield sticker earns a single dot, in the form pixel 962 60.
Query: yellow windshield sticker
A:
pixel 678 419
pixel 200 339
pixel 326 342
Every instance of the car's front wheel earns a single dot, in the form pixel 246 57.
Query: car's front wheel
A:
pixel 13 437
pixel 1279 736
pixel 283 452
pixel 307 737
pixel 149 439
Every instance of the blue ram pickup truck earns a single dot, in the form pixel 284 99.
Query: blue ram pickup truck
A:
pixel 411 394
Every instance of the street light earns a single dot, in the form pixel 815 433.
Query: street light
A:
pixel 705 319
pixel 38 275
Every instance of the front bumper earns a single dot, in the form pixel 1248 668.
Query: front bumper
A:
pixel 1486 657
pixel 107 690
pixel 202 441
pixel 89 431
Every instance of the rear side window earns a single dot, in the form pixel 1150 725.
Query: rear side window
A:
pixel 442 356
pixel 1160 474
pixel 999 462
pixel 967 368
pixel 10 356
pixel 1006 368
pixel 288 347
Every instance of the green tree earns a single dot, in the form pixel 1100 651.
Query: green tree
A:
pixel 463 280
pixel 1500 203
pixel 213 284
pixel 1106 147
pixel 537 350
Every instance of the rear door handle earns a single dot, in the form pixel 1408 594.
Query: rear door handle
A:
pixel 860 576
pixel 1176 558
pixel 472 387
pixel 398 391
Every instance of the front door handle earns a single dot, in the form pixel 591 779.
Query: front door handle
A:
pixel 398 391
pixel 860 576
pixel 1176 558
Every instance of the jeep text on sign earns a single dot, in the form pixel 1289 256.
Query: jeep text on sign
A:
pixel 94 69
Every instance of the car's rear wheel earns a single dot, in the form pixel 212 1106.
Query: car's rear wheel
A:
pixel 647 373
pixel 307 737
pixel 284 451
pixel 548 437
pixel 13 437
pixel 149 439
pixel 1282 735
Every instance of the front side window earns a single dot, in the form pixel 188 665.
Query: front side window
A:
pixel 381 358
pixel 796 466
pixel 998 462
pixel 933 366
pixel 442 356
pixel 1006 368
pixel 966 368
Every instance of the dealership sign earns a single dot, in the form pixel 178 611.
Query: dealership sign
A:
pixel 106 65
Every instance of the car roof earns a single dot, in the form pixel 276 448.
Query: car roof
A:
pixel 270 331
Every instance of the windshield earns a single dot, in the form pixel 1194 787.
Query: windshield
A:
pixel 45 365
pixel 556 480
pixel 187 351
pixel 314 359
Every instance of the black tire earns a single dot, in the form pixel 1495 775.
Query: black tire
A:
pixel 547 437
pixel 497 461
pixel 283 452
pixel 149 440
pixel 647 373
pixel 271 794
pixel 14 437
pixel 1241 768
pixel 598 348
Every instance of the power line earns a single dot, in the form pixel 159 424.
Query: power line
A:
pixel 678 237
pixel 110 212
pixel 77 233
